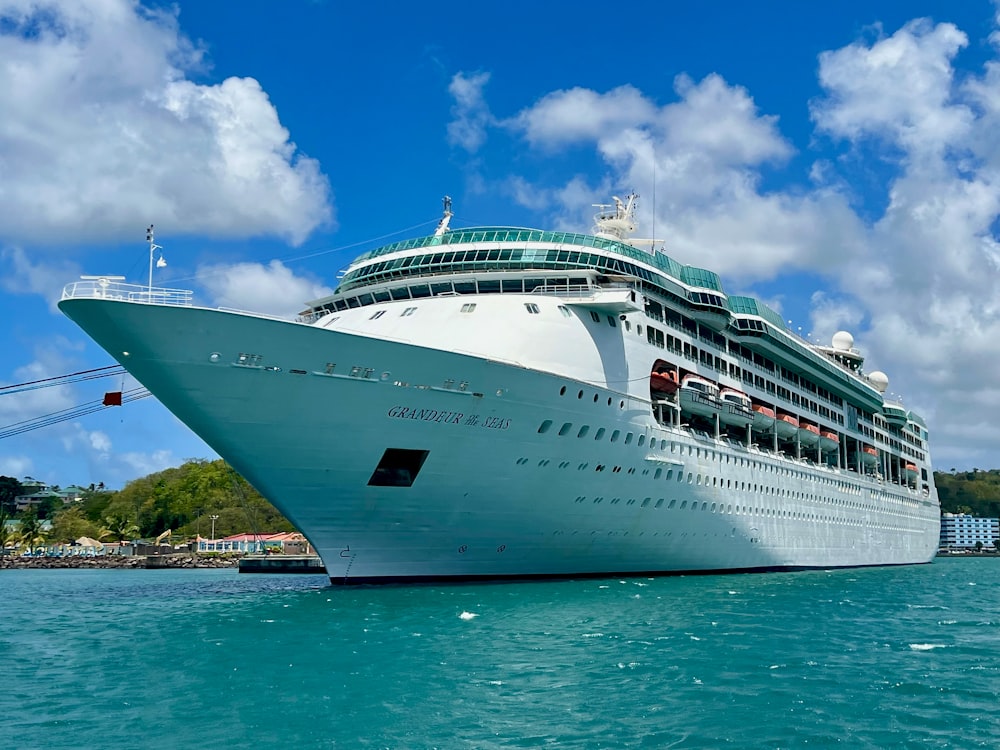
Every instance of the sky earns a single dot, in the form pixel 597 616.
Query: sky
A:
pixel 839 161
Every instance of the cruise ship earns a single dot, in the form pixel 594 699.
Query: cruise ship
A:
pixel 496 402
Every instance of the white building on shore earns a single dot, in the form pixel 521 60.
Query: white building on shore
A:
pixel 962 531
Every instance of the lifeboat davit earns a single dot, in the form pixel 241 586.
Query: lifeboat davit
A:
pixel 828 441
pixel 763 417
pixel 699 396
pixel 869 455
pixel 808 433
pixel 737 408
pixel 786 425
pixel 664 383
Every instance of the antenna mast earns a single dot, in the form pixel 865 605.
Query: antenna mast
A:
pixel 442 226
pixel 153 247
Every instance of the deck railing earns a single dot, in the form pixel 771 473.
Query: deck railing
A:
pixel 109 288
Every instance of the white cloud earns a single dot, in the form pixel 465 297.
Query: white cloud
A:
pixel 271 289
pixel 470 114
pixel 101 125
pixel 578 115
pixel 898 88
pixel 704 152
pixel 14 466
pixel 45 279
pixel 931 281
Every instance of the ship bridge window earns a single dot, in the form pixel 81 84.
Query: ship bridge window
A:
pixel 398 467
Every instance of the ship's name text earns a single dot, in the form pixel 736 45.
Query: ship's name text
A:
pixel 449 417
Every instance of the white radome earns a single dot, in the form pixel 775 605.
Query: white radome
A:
pixel 880 380
pixel 843 341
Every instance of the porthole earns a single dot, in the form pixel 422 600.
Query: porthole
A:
pixel 544 426
pixel 567 426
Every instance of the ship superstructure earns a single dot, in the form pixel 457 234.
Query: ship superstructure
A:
pixel 503 402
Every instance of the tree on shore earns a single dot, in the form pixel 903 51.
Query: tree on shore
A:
pixel 31 534
pixel 10 488
pixel 121 527
pixel 70 524
pixel 7 536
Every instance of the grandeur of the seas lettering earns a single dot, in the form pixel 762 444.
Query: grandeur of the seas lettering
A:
pixel 449 417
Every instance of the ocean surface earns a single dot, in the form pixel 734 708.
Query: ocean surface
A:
pixel 872 658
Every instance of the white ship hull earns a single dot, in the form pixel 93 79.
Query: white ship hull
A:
pixel 512 485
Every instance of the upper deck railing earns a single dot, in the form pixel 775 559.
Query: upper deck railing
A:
pixel 109 288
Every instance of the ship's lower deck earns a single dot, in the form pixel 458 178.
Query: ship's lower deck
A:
pixel 401 462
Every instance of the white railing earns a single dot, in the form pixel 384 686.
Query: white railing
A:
pixel 109 288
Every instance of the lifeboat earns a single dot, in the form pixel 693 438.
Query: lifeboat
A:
pixel 828 440
pixel 786 425
pixel 699 396
pixel 763 417
pixel 808 433
pixel 663 383
pixel 910 470
pixel 736 408
pixel 869 456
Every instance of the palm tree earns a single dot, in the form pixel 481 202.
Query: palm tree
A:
pixel 31 533
pixel 121 527
pixel 6 535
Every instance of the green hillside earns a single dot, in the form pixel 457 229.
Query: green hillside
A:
pixel 974 492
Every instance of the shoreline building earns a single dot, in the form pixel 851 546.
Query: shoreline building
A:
pixel 962 531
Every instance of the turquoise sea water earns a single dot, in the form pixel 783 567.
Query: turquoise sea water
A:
pixel 879 658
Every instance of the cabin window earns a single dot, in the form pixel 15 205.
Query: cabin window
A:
pixel 531 307
pixel 611 321
pixel 379 314
pixel 407 312
pixel 595 316
pixel 468 307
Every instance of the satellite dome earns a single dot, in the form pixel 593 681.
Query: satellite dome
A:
pixel 843 341
pixel 880 380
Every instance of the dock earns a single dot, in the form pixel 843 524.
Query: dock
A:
pixel 281 564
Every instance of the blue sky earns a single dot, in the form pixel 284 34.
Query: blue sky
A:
pixel 840 161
